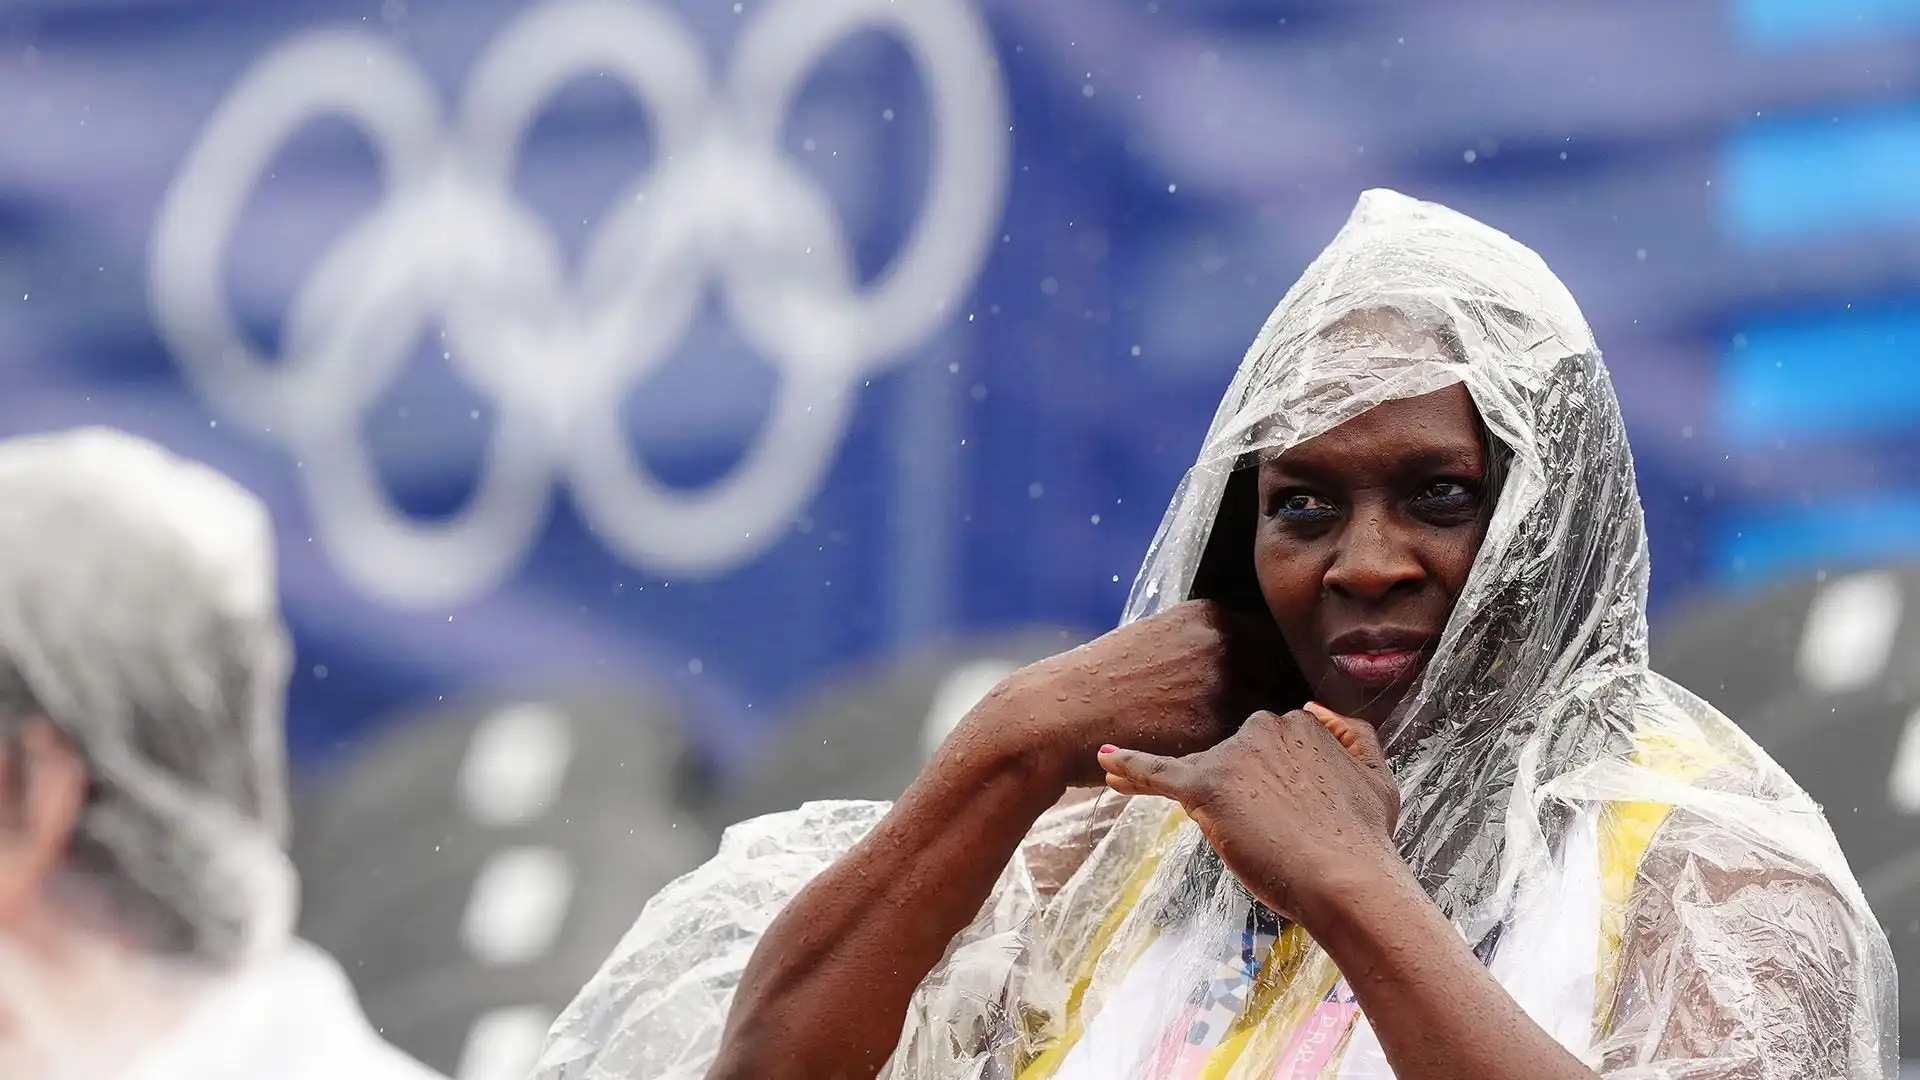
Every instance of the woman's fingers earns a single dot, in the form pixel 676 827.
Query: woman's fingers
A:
pixel 1357 736
pixel 1135 772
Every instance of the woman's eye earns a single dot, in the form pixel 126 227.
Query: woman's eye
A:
pixel 1450 496
pixel 1302 505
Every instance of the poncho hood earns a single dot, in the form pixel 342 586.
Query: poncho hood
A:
pixel 1554 612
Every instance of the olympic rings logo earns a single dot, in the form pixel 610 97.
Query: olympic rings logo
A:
pixel 556 348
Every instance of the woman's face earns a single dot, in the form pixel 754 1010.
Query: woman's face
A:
pixel 1363 541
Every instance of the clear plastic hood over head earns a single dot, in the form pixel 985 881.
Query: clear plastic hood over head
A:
pixel 1410 298
pixel 138 615
pixel 1635 871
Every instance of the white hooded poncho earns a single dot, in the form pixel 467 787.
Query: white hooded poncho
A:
pixel 139 615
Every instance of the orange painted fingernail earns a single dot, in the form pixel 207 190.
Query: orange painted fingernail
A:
pixel 1333 722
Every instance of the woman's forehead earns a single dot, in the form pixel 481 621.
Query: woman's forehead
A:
pixel 1438 428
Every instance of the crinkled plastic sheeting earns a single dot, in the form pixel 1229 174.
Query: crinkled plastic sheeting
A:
pixel 138 614
pixel 1743 948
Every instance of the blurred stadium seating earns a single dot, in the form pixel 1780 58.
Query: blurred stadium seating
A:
pixel 866 734
pixel 473 866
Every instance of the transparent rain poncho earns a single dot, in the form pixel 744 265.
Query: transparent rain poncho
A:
pixel 138 615
pixel 1653 889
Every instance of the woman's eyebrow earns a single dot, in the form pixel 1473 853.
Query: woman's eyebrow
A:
pixel 1457 457
pixel 1303 469
pixel 1468 458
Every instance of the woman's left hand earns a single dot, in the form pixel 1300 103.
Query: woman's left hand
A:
pixel 1294 804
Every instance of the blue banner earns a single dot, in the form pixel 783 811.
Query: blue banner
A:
pixel 727 346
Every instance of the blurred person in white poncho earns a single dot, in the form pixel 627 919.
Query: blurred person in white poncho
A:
pixel 1392 790
pixel 146 905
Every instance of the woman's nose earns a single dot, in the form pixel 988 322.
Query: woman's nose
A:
pixel 1372 560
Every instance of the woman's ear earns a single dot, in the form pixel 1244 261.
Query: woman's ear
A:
pixel 43 788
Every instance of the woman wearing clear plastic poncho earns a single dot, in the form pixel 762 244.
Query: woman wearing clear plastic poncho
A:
pixel 1495 846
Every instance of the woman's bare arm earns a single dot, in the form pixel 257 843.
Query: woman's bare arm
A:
pixel 1438 1012
pixel 827 991
pixel 1738 962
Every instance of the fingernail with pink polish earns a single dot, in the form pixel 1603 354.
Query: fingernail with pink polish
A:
pixel 1109 748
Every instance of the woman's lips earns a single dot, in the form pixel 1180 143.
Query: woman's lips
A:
pixel 1378 669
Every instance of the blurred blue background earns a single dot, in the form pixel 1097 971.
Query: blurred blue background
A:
pixel 1729 188
pixel 420 218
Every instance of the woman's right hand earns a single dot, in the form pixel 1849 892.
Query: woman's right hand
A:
pixel 1174 683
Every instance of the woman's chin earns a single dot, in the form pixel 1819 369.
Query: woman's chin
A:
pixel 1372 704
